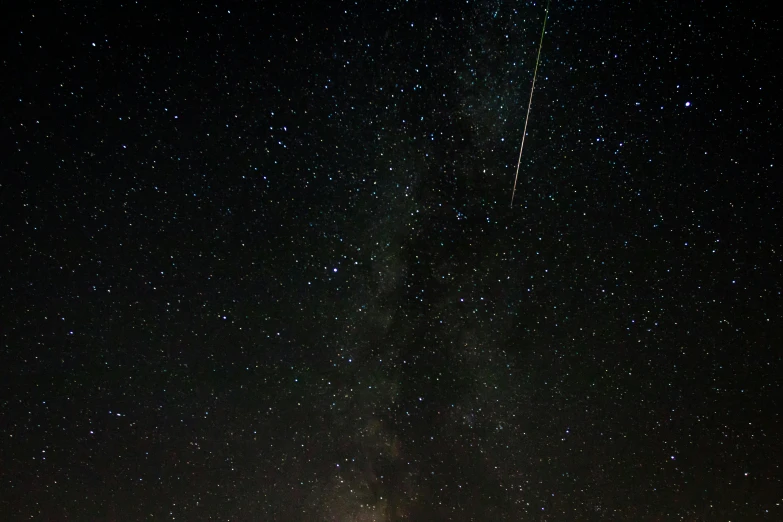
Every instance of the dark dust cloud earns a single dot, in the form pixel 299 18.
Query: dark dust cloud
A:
pixel 259 264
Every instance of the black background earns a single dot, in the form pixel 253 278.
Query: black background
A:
pixel 259 262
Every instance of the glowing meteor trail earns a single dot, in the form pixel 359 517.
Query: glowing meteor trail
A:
pixel 529 103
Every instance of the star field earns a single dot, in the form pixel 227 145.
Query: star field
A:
pixel 259 262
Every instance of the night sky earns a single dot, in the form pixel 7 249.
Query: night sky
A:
pixel 259 262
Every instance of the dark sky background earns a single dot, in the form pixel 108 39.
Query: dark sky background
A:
pixel 259 263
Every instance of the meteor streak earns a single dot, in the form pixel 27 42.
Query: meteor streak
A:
pixel 529 103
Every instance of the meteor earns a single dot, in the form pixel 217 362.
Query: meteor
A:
pixel 529 103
